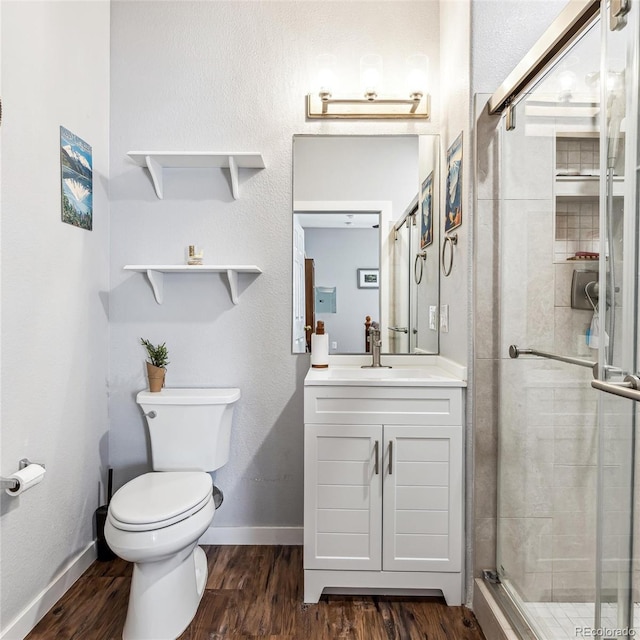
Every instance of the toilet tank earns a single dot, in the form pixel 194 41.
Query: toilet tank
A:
pixel 189 429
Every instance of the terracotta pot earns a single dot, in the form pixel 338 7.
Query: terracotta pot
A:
pixel 156 377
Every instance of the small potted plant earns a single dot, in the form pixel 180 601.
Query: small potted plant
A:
pixel 156 364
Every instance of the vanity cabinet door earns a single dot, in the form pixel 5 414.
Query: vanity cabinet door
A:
pixel 422 501
pixel 343 497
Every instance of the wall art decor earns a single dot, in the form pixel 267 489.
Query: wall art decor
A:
pixel 76 175
pixel 453 194
pixel 368 278
pixel 426 225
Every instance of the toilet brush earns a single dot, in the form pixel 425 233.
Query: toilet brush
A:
pixel 104 552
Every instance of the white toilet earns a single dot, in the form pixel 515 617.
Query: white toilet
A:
pixel 156 519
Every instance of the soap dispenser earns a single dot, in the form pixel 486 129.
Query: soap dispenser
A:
pixel 320 347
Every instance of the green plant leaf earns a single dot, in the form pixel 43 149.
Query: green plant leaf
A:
pixel 157 355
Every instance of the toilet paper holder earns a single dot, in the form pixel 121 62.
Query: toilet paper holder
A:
pixel 12 483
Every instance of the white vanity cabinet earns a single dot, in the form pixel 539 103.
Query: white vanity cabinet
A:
pixel 383 506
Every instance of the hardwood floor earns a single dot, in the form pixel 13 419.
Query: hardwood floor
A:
pixel 256 592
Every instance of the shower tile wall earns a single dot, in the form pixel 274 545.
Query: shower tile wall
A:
pixel 576 221
pixel 548 502
pixel 576 227
pixel 577 156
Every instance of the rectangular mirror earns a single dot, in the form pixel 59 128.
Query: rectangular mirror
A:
pixel 365 241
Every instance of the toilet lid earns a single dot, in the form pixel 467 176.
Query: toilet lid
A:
pixel 158 499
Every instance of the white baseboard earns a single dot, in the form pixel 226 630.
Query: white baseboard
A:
pixel 252 535
pixel 29 617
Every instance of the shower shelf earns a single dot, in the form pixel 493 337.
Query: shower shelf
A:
pixel 584 186
pixel 157 161
pixel 155 275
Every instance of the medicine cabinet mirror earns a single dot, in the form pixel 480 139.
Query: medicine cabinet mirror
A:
pixel 365 241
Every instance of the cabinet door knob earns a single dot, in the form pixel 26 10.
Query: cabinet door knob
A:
pixel 376 453
pixel 390 457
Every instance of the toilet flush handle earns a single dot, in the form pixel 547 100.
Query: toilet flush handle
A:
pixel 151 414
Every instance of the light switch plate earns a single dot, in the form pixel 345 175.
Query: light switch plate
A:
pixel 433 317
pixel 444 318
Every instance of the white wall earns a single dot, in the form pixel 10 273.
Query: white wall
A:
pixel 55 61
pixel 229 76
pixel 455 25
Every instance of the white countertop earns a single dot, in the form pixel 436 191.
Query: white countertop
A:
pixel 431 374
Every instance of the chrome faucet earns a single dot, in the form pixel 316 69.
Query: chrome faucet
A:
pixel 375 342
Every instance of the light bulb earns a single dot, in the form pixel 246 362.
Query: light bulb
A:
pixel 417 74
pixel 325 73
pixel 371 75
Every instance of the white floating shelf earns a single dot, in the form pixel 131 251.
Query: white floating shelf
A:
pixel 155 274
pixel 157 161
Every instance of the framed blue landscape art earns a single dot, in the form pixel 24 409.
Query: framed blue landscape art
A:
pixel 76 175
pixel 453 194
pixel 426 224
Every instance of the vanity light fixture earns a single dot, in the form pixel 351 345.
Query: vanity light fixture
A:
pixel 372 103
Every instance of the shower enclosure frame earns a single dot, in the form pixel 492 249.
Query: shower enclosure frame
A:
pixel 563 33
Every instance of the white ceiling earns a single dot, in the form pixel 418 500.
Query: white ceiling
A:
pixel 320 220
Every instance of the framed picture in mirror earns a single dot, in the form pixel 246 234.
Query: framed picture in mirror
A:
pixel 453 196
pixel 426 226
pixel 368 278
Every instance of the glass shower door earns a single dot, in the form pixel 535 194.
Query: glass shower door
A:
pixel 548 431
pixel 618 532
pixel 568 530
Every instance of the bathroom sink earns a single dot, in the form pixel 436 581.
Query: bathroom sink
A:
pixel 396 376
pixel 379 373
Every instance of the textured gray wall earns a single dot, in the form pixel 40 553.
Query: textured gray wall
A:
pixel 229 76
pixel 55 71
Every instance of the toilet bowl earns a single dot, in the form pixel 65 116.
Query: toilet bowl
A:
pixel 156 519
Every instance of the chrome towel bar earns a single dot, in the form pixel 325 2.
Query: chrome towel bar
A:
pixel 629 388
pixel 399 329
pixel 515 351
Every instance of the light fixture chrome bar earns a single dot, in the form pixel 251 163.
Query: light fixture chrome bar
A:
pixel 515 352
pixel 323 106
pixel 571 22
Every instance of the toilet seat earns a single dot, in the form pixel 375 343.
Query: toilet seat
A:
pixel 159 499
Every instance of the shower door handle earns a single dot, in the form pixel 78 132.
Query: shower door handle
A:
pixel 630 388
